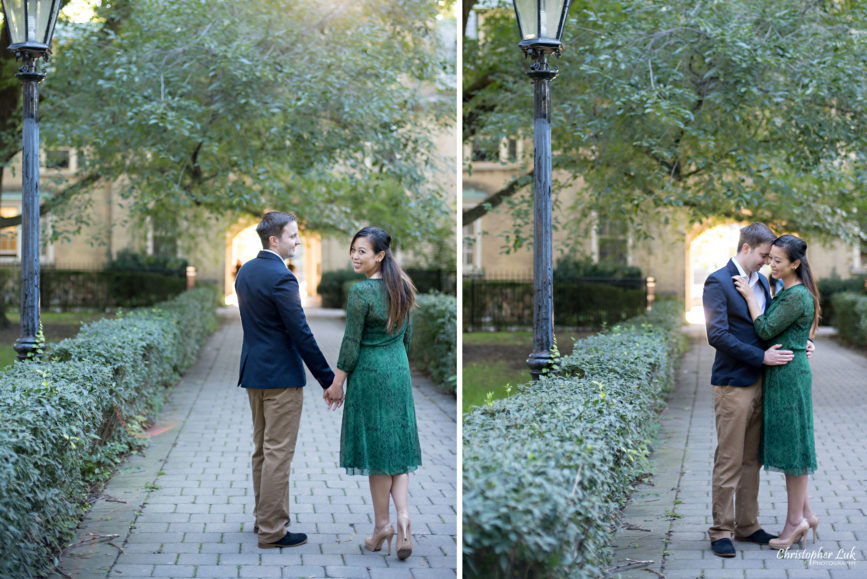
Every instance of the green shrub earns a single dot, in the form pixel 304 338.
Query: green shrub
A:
pixel 67 421
pixel 546 470
pixel 829 287
pixel 128 260
pixel 434 338
pixel 570 268
pixel 131 289
pixel 64 288
pixel 595 305
pixel 429 280
pixel 331 287
pixel 851 317
pixel 578 302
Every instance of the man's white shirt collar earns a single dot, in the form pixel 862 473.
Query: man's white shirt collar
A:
pixel 753 281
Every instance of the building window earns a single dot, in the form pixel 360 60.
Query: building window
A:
pixel 485 150
pixel 512 151
pixel 612 238
pixel 471 242
pixel 860 256
pixel 862 246
pixel 496 151
pixel 165 241
pixel 472 247
pixel 162 237
pixel 9 235
pixel 58 160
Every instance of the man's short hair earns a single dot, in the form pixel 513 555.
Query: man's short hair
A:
pixel 754 235
pixel 272 224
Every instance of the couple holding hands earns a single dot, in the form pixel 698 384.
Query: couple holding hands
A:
pixel 762 385
pixel 379 436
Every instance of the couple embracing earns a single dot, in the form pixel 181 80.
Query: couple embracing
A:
pixel 762 386
pixel 379 436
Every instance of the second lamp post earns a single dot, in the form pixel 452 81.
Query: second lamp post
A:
pixel 540 23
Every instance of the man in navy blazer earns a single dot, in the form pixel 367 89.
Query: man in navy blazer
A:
pixel 277 344
pixel 737 383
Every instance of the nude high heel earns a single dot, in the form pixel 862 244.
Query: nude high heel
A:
pixel 814 524
pixel 374 543
pixel 404 539
pixel 799 535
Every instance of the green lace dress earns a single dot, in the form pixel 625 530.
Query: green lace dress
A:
pixel 787 443
pixel 379 435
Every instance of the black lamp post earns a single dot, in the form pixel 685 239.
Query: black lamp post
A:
pixel 31 26
pixel 540 23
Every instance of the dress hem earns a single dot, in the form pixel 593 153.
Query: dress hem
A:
pixel 791 471
pixel 373 472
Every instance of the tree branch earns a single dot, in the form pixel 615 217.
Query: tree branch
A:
pixel 56 200
pixel 496 199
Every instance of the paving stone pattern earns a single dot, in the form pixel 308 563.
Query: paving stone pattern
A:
pixel 184 507
pixel 664 528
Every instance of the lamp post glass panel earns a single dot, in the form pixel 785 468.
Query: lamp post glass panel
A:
pixel 31 27
pixel 540 23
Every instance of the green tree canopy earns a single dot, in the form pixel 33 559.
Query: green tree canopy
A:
pixel 215 108
pixel 748 109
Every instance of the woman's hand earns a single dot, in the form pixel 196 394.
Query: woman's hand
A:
pixel 333 395
pixel 743 286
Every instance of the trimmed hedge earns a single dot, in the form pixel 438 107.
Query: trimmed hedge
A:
pixel 546 470
pixel 831 286
pixel 434 338
pixel 333 287
pixel 67 421
pixel 428 280
pixel 851 317
pixel 65 288
pixel 579 302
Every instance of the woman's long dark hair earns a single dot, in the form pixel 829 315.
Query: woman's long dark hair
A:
pixel 796 249
pixel 398 286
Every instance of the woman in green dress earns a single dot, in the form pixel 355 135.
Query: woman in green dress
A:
pixel 787 432
pixel 379 436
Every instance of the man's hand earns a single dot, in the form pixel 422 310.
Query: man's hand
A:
pixel 333 395
pixel 776 357
pixel 811 347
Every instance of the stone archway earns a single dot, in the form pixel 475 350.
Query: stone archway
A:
pixel 244 244
pixel 708 252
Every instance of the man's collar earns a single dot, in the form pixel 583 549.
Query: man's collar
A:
pixel 275 253
pixel 752 278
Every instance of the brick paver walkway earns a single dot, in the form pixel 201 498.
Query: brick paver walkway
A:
pixel 184 508
pixel 666 521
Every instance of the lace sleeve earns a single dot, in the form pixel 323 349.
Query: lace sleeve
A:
pixel 356 312
pixel 782 313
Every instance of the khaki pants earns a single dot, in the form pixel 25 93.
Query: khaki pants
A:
pixel 276 417
pixel 736 463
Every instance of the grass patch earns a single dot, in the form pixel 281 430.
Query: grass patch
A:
pixel 66 318
pixel 483 377
pixel 491 360
pixel 56 326
pixel 519 338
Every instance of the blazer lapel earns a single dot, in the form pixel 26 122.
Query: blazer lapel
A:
pixel 741 303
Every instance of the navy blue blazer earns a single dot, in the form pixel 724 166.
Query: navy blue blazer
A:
pixel 739 351
pixel 277 340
